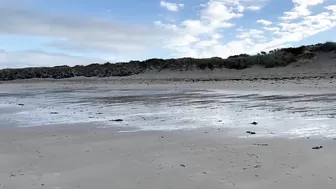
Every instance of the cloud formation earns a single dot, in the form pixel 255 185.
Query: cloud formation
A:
pixel 79 33
pixel 171 6
pixel 301 8
pixel 264 22
pixel 209 31
pixel 254 8
pixel 215 29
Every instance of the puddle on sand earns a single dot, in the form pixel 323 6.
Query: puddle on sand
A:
pixel 281 114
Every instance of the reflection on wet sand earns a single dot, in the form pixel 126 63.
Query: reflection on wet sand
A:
pixel 148 109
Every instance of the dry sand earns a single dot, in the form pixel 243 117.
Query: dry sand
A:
pixel 69 157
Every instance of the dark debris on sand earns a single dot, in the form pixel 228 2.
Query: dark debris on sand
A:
pixel 317 147
pixel 251 132
pixel 117 120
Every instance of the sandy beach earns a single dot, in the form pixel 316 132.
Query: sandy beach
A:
pixel 172 134
pixel 72 157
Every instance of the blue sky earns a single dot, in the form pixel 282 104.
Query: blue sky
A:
pixel 58 32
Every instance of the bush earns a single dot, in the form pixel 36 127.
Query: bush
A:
pixel 202 66
pixel 327 47
pixel 295 50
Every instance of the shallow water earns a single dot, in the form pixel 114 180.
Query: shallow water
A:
pixel 277 113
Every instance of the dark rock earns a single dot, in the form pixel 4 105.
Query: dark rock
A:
pixel 182 165
pixel 254 123
pixel 54 113
pixel 117 120
pixel 21 104
pixel 317 147
pixel 251 132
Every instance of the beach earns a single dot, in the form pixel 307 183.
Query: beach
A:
pixel 160 133
pixel 72 157
pixel 205 151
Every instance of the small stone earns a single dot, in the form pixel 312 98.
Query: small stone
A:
pixel 53 113
pixel 117 120
pixel 21 104
pixel 254 123
pixel 182 165
pixel 162 137
pixel 251 132
pixel 317 147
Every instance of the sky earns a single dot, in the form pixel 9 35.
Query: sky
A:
pixel 37 33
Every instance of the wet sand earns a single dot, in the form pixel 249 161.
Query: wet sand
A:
pixel 86 155
pixel 282 108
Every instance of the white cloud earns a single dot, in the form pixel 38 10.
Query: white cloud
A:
pixel 252 33
pixel 219 11
pixel 240 8
pixel 264 22
pixel 272 29
pixel 301 9
pixel 171 6
pixel 253 8
pixel 214 16
pixel 249 40
pixel 333 9
pixel 17 59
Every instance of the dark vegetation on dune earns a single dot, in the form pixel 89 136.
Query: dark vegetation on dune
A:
pixel 274 58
